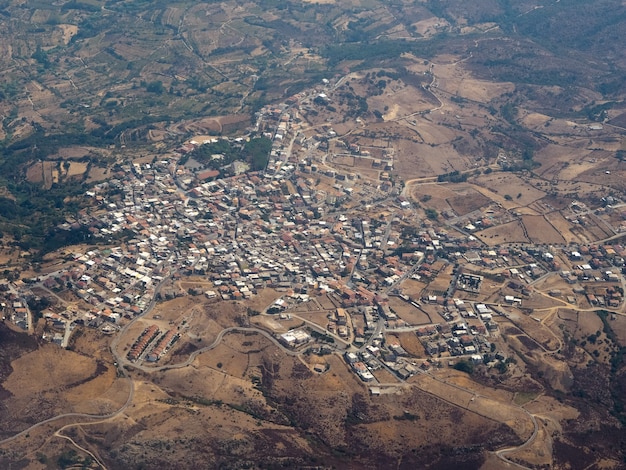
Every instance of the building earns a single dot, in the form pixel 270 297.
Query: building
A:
pixel 294 338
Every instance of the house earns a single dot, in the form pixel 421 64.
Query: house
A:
pixel 431 348
pixel 294 338
pixel 341 316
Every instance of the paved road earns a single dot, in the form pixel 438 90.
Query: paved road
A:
pixel 99 418
pixel 213 345
pixel 501 454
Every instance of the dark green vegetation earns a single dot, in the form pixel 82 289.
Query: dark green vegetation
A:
pixel 464 366
pixel 617 377
pixel 255 152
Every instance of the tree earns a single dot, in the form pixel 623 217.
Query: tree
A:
pixel 257 152
pixel 464 366
pixel 432 214
pixel 155 87
pixel 40 56
pixel 528 154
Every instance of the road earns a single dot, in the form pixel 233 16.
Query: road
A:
pixel 213 345
pixel 405 276
pixel 501 454
pixel 95 418
pixel 67 334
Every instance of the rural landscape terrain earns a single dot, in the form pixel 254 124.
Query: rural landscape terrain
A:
pixel 313 234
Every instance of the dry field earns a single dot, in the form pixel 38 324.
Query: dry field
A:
pixel 413 288
pixel 275 324
pixel 539 333
pixel 318 318
pixel 468 399
pixel 410 343
pixel 438 195
pixel 405 98
pixel 408 312
pixel 455 377
pixel 326 302
pixel 455 79
pixel 539 230
pixel 76 169
pixel 466 201
pixel 511 232
pixel 552 282
pixel 539 452
pixel 34 174
pixel 416 160
pixel 51 381
pixel 619 327
pixel 511 184
pixel 442 281
pixel 562 226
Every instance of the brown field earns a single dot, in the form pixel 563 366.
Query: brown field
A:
pixel 263 298
pixel 551 282
pixel 417 160
pixel 97 174
pixel 515 418
pixel 443 279
pixel 383 376
pixel 477 90
pixel 438 194
pixel 589 323
pixel 34 174
pixel 326 302
pixel 345 160
pixel 76 169
pixel 413 288
pixel 511 184
pixel 619 327
pixel 539 230
pixel 539 452
pixel 463 380
pixel 552 408
pixel 562 226
pixel 54 367
pixel 455 79
pixel 275 324
pixel 467 201
pixel 410 343
pixel 406 100
pixel 408 312
pixel 66 382
pixel 539 300
pixel 77 152
pixel 318 318
pixel 511 232
pixel 68 31
pixel 535 330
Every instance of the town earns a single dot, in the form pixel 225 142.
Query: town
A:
pixel 315 233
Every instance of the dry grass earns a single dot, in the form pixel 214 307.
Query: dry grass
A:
pixel 76 169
